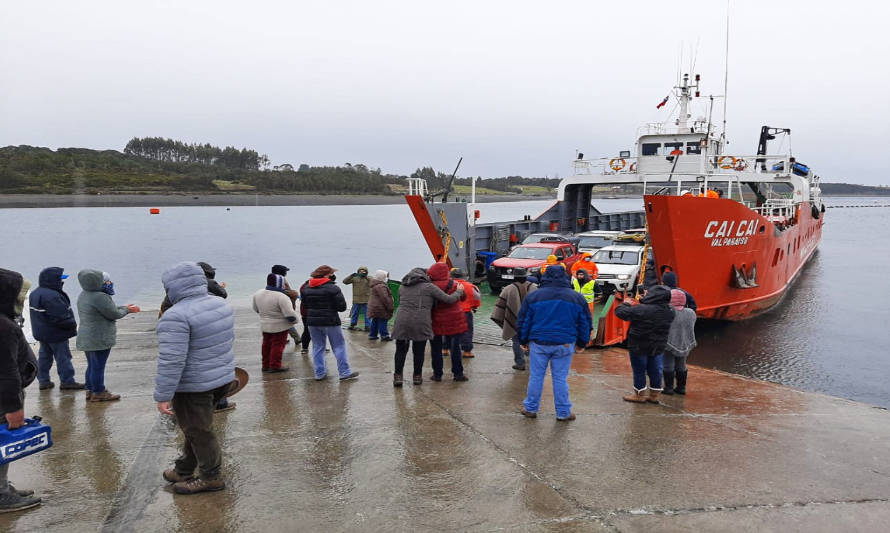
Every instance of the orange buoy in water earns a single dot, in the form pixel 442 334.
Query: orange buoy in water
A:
pixel 154 211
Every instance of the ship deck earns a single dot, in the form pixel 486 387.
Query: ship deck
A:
pixel 733 455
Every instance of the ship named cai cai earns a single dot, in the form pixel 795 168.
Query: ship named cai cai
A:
pixel 736 228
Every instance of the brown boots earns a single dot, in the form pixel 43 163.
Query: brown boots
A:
pixel 640 396
pixel 103 396
pixel 467 355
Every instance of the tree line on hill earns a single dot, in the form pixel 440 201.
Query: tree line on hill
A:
pixel 158 165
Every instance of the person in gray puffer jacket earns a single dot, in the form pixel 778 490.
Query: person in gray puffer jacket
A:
pixel 196 366
pixel 414 323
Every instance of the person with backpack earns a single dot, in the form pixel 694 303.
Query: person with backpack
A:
pixel 506 312
pixel 52 323
pixel 469 305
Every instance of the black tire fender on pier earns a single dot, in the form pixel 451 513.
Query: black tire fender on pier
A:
pixel 816 212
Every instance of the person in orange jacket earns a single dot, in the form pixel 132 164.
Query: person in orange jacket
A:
pixel 469 306
pixel 586 262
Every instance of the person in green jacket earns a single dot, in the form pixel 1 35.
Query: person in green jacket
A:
pixel 97 332
pixel 361 293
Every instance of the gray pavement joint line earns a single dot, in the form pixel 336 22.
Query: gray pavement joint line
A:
pixel 142 482
pixel 744 507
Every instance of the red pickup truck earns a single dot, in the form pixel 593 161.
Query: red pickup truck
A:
pixel 531 257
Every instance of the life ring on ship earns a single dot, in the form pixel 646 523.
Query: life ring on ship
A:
pixel 722 162
pixel 617 164
pixel 633 167
pixel 740 165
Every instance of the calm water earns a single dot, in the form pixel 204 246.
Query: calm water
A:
pixel 829 335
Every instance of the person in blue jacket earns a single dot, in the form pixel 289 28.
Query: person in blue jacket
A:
pixel 52 323
pixel 554 321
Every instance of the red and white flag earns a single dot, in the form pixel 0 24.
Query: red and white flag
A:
pixel 663 102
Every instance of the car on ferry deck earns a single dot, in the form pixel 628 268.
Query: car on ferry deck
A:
pixel 619 265
pixel 591 241
pixel 531 257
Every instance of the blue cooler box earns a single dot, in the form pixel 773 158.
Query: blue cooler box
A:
pixel 32 437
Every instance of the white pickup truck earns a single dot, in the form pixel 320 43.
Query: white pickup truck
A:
pixel 619 264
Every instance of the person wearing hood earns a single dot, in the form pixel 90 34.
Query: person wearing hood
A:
pixel 282 271
pixel 506 312
pixel 215 288
pixel 681 340
pixel 324 301
pixel 413 325
pixel 670 279
pixel 380 306
pixel 277 317
pixel 650 321
pixel 449 322
pixel 584 285
pixel 18 368
pixel 361 293
pixel 98 333
pixel 468 305
pixel 52 323
pixel 554 322
pixel 196 368
pixel 586 262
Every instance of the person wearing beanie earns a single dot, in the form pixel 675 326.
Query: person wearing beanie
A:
pixel 681 340
pixel 282 271
pixel 52 323
pixel 361 293
pixel 669 278
pixel 277 317
pixel 650 321
pixel 324 302
pixel 380 306
pixel 98 332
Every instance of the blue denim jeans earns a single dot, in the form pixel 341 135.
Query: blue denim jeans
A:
pixel 354 312
pixel 646 364
pixel 320 336
pixel 452 343
pixel 95 375
pixel 378 326
pixel 559 357
pixel 518 352
pixel 62 355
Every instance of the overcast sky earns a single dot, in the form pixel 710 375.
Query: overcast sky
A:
pixel 513 87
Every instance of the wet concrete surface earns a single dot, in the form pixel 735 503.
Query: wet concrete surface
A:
pixel 733 455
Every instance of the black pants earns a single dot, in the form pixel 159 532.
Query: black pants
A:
pixel 453 342
pixel 418 348
pixel 194 414
pixel 304 340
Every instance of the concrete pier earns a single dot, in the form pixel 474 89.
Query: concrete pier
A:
pixel 733 455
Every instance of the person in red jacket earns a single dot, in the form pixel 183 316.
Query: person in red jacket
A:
pixel 469 305
pixel 449 322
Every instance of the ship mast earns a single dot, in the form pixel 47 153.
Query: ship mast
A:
pixel 685 95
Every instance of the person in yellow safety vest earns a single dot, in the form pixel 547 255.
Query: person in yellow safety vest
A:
pixel 583 284
pixel 586 262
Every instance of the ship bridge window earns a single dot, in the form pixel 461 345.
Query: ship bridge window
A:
pixel 673 148
pixel 651 149
pixel 693 148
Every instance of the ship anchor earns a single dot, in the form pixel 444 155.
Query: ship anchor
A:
pixel 742 279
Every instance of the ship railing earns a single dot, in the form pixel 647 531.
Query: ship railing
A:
pixel 723 165
pixel 605 166
pixel 417 187
pixel 776 209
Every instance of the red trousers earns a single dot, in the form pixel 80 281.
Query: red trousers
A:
pixel 273 347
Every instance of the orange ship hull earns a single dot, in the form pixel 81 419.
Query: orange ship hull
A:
pixel 709 242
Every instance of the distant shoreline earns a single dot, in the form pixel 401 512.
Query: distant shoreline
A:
pixel 199 200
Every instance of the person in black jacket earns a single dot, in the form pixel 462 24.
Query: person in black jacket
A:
pixel 18 368
pixel 52 323
pixel 323 302
pixel 650 322
pixel 670 279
